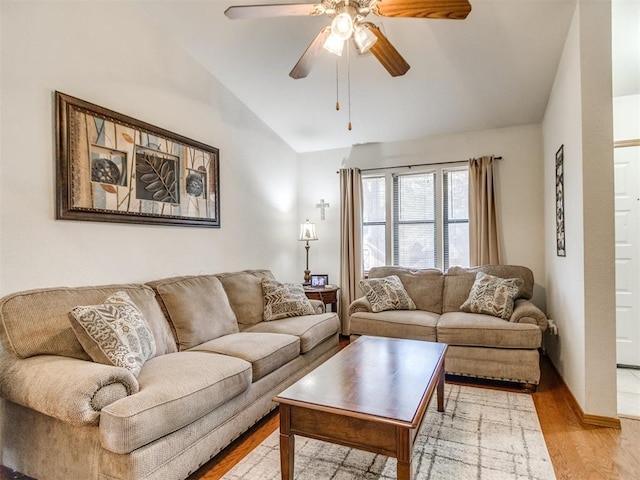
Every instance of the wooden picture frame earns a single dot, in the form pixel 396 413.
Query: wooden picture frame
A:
pixel 319 281
pixel 114 168
pixel 560 232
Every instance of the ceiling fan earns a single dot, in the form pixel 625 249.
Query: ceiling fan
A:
pixel 348 22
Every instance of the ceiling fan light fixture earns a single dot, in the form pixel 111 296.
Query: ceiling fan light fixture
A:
pixel 364 38
pixel 342 25
pixel 334 44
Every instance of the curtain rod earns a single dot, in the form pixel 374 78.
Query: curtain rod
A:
pixel 418 165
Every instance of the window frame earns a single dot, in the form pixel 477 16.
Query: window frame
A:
pixel 441 207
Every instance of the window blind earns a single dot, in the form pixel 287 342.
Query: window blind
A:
pixel 414 220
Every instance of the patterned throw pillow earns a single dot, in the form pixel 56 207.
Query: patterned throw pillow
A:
pixel 492 295
pixel 386 293
pixel 114 333
pixel 283 300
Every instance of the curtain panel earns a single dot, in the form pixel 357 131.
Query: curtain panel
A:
pixel 484 237
pixel 351 269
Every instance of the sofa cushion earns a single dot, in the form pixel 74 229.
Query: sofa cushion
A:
pixel 36 322
pixel 423 286
pixel 175 390
pixel 114 332
pixel 282 300
pixel 386 293
pixel 244 290
pixel 311 329
pixel 458 282
pixel 492 295
pixel 264 351
pixel 478 330
pixel 197 307
pixel 415 324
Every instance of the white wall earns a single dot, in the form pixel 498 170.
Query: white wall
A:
pixel 110 54
pixel 581 292
pixel 1 123
pixel 626 118
pixel 520 181
pixel 318 179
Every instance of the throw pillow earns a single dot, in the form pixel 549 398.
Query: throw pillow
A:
pixel 492 295
pixel 283 300
pixel 386 293
pixel 114 333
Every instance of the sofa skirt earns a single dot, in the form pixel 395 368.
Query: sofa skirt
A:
pixel 511 365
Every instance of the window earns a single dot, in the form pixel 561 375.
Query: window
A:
pixel 374 221
pixel 455 217
pixel 416 219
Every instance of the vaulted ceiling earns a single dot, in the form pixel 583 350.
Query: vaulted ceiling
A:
pixel 492 70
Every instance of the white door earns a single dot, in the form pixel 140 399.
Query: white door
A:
pixel 627 204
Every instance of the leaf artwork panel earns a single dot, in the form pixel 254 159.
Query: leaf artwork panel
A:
pixel 114 168
pixel 156 177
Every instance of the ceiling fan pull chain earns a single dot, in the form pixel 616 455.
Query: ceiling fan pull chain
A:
pixel 337 86
pixel 349 85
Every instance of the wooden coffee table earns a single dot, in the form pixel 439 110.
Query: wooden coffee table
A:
pixel 372 396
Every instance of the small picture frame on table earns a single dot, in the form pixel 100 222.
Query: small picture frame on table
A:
pixel 319 281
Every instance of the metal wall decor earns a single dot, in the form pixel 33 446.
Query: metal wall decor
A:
pixel 113 168
pixel 560 237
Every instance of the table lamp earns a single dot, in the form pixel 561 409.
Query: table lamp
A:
pixel 307 233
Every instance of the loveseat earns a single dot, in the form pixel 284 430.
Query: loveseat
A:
pixel 480 344
pixel 214 367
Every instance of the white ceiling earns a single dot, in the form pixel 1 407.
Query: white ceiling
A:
pixel 494 69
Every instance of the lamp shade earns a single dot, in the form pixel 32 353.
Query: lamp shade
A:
pixel 364 38
pixel 342 25
pixel 334 44
pixel 308 231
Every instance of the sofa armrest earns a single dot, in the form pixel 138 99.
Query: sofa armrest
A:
pixel 68 389
pixel 318 306
pixel 359 305
pixel 526 312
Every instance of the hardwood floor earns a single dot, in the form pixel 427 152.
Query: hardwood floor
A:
pixel 581 451
pixel 577 451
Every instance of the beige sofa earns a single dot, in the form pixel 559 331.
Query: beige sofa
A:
pixel 480 345
pixel 216 369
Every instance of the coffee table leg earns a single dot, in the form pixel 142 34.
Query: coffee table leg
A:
pixel 440 389
pixel 287 444
pixel 287 449
pixel 404 469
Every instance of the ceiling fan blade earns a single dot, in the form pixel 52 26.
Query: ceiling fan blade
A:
pixel 447 9
pixel 386 53
pixel 303 67
pixel 274 10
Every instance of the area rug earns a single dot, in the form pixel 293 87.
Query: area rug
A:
pixel 482 434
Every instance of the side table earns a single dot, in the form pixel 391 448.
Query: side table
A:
pixel 327 295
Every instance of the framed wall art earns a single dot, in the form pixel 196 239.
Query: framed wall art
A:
pixel 113 168
pixel 560 236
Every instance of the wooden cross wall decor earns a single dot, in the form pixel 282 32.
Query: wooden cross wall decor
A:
pixel 322 206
